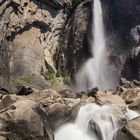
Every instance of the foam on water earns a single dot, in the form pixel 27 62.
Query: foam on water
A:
pixel 93 122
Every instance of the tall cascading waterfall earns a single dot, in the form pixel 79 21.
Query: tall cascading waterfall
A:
pixel 97 72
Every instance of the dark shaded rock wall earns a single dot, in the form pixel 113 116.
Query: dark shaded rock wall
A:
pixel 74 40
pixel 4 44
pixel 122 22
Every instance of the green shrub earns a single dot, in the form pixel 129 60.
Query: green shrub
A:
pixel 49 74
pixel 67 80
pixel 55 80
pixel 25 81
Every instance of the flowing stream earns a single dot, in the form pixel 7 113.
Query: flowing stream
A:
pixel 93 122
pixel 97 72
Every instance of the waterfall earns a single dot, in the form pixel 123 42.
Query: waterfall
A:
pixel 96 122
pixel 93 122
pixel 97 72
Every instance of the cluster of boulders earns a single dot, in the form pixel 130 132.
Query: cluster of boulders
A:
pixel 36 35
pixel 35 114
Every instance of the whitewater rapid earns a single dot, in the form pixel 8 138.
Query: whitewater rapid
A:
pixel 93 122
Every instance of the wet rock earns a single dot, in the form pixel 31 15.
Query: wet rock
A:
pixel 130 131
pixel 125 83
pixel 92 92
pixel 80 94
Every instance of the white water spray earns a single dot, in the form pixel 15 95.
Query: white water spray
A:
pixel 97 72
pixel 93 122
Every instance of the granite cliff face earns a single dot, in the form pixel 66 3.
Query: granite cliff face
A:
pixel 32 36
pixel 41 35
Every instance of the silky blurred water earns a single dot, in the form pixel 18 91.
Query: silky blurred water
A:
pixel 97 72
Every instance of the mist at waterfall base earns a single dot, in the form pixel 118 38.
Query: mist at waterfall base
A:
pixel 93 122
pixel 97 72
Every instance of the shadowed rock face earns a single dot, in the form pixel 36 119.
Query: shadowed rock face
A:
pixel 59 3
pixel 4 44
pixel 130 131
pixel 131 68
pixel 120 18
pixel 74 40
pixel 122 22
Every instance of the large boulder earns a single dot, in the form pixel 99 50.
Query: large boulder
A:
pixel 27 59
pixel 21 118
pixel 59 109
pixel 32 111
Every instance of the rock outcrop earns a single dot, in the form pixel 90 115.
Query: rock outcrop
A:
pixel 35 114
pixel 130 131
pixel 74 41
pixel 32 37
pixel 131 68
pixel 4 45
pixel 21 118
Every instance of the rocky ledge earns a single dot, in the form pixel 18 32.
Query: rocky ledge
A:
pixel 36 114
